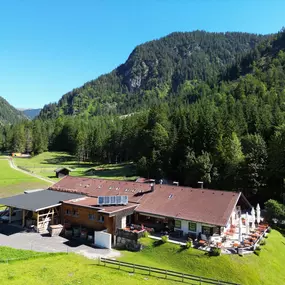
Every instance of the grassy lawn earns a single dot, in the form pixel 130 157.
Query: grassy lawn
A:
pixel 13 182
pixel 266 269
pixel 11 253
pixel 67 270
pixel 44 164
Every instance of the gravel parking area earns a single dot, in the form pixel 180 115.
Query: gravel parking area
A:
pixel 16 237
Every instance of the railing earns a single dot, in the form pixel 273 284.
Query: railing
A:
pixel 182 277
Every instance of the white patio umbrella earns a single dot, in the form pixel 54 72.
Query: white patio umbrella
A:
pixel 240 230
pixel 258 214
pixel 247 224
pixel 253 218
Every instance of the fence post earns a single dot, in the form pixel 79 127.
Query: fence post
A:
pixel 149 271
pixel 200 281
pixel 165 274
pixel 99 259
pixel 119 265
pixel 133 268
pixel 182 277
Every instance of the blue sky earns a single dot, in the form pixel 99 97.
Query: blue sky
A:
pixel 49 47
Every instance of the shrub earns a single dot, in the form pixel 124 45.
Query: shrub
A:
pixel 145 234
pixel 188 244
pixel 164 239
pixel 269 230
pixel 262 242
pixel 215 251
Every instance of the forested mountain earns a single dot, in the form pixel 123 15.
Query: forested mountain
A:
pixel 230 134
pixel 154 71
pixel 8 114
pixel 31 113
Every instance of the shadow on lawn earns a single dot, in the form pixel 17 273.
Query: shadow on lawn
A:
pixel 121 170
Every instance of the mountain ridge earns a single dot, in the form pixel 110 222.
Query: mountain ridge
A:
pixel 153 70
pixel 9 114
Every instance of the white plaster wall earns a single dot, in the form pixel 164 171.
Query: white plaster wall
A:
pixel 103 239
pixel 123 222
pixel 185 227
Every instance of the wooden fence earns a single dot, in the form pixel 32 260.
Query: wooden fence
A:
pixel 184 277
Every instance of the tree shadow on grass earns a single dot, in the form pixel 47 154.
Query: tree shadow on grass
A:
pixel 121 170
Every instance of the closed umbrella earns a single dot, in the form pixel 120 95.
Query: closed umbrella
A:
pixel 247 224
pixel 253 218
pixel 258 214
pixel 240 230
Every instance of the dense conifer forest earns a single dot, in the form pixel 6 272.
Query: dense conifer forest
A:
pixel 221 123
pixel 8 114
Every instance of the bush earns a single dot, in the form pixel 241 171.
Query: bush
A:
pixel 188 244
pixel 215 251
pixel 145 234
pixel 262 242
pixel 164 239
pixel 269 230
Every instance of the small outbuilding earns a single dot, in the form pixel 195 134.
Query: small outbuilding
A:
pixel 62 171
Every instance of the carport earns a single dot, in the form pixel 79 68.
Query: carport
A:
pixel 39 208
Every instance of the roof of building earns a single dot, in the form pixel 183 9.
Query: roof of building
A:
pixel 93 202
pixel 199 205
pixel 62 168
pixel 39 200
pixel 100 187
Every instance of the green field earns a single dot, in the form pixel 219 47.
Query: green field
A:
pixel 44 165
pixel 13 181
pixel 266 269
pixel 63 269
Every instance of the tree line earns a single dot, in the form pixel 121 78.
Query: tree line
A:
pixel 230 135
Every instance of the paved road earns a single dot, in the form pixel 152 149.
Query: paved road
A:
pixel 16 237
pixel 14 166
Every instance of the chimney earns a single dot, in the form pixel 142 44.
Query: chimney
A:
pixel 151 187
pixel 176 183
pixel 201 183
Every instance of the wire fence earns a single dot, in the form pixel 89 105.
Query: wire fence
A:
pixel 167 274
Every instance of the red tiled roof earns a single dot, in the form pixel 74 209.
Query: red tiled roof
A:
pixel 100 187
pixel 199 205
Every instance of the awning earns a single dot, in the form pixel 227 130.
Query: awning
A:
pixel 39 200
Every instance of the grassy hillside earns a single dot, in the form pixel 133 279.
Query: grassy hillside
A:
pixel 44 164
pixel 74 269
pixel 13 182
pixel 266 269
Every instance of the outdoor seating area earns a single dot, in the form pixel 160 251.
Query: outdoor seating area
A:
pixel 241 236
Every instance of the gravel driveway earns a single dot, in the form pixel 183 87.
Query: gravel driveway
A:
pixel 16 237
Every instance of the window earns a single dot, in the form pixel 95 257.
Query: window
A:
pixel 67 212
pixel 206 230
pixel 192 227
pixel 91 217
pixel 101 219
pixel 177 224
pixel 75 213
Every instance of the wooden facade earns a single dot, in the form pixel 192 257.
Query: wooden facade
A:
pixel 87 217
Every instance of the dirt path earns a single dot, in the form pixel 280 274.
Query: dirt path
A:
pixel 14 166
